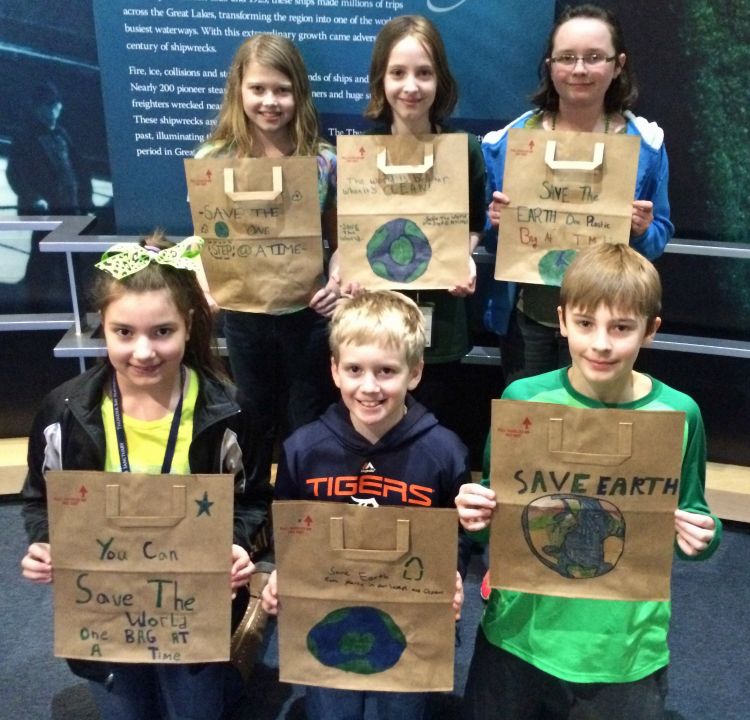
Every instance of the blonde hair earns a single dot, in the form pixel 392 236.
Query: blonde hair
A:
pixel 232 125
pixel 427 34
pixel 379 317
pixel 615 275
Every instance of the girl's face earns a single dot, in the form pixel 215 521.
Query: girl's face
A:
pixel 410 85
pixel 145 335
pixel 582 84
pixel 267 99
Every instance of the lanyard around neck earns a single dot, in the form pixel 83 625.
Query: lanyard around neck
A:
pixel 122 443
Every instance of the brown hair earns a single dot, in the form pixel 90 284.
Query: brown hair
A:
pixel 379 317
pixel 233 126
pixel 186 294
pixel 392 33
pixel 616 275
pixel 622 91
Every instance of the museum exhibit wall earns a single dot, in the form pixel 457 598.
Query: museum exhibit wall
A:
pixel 141 81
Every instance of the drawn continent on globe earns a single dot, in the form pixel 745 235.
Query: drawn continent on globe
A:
pixel 361 640
pixel 553 265
pixel 399 251
pixel 576 536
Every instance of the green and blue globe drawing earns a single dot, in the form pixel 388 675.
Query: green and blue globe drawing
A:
pixel 574 535
pixel 362 640
pixel 553 265
pixel 399 251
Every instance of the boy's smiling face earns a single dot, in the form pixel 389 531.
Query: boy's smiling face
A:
pixel 604 344
pixel 373 381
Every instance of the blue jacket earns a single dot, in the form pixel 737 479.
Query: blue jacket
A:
pixel 651 184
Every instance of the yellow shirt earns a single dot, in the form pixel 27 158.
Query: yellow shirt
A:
pixel 147 439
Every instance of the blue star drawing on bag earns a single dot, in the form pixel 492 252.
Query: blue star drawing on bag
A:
pixel 204 506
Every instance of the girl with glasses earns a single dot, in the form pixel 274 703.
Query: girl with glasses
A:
pixel 586 86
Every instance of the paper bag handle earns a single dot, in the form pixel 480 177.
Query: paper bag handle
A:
pixel 580 165
pixel 265 196
pixel 402 543
pixel 386 169
pixel 178 510
pixel 624 446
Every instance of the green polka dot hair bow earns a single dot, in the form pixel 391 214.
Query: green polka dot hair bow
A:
pixel 125 259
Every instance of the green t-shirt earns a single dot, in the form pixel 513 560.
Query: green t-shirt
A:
pixel 589 641
pixel 147 439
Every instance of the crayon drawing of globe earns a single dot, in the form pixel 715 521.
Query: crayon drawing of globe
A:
pixel 362 640
pixel 553 265
pixel 576 536
pixel 399 251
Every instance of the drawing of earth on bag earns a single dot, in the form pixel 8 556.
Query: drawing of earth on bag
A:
pixel 553 265
pixel 576 536
pixel 362 640
pixel 399 251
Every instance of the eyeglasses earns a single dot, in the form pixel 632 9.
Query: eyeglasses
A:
pixel 593 59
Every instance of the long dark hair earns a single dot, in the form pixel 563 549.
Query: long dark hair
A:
pixel 623 90
pixel 185 291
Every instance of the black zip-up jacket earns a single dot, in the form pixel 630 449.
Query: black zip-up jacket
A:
pixel 68 434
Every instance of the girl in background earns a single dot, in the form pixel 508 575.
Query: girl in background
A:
pixel 586 86
pixel 267 111
pixel 412 92
pixel 162 395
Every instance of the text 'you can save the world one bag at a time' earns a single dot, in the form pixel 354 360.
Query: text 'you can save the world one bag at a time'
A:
pixel 142 565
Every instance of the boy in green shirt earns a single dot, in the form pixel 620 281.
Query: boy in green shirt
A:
pixel 540 656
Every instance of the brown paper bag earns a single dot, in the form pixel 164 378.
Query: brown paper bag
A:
pixel 365 595
pixel 260 218
pixel 141 565
pixel 567 191
pixel 586 500
pixel 403 210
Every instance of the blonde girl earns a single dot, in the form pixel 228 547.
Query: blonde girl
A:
pixel 267 111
